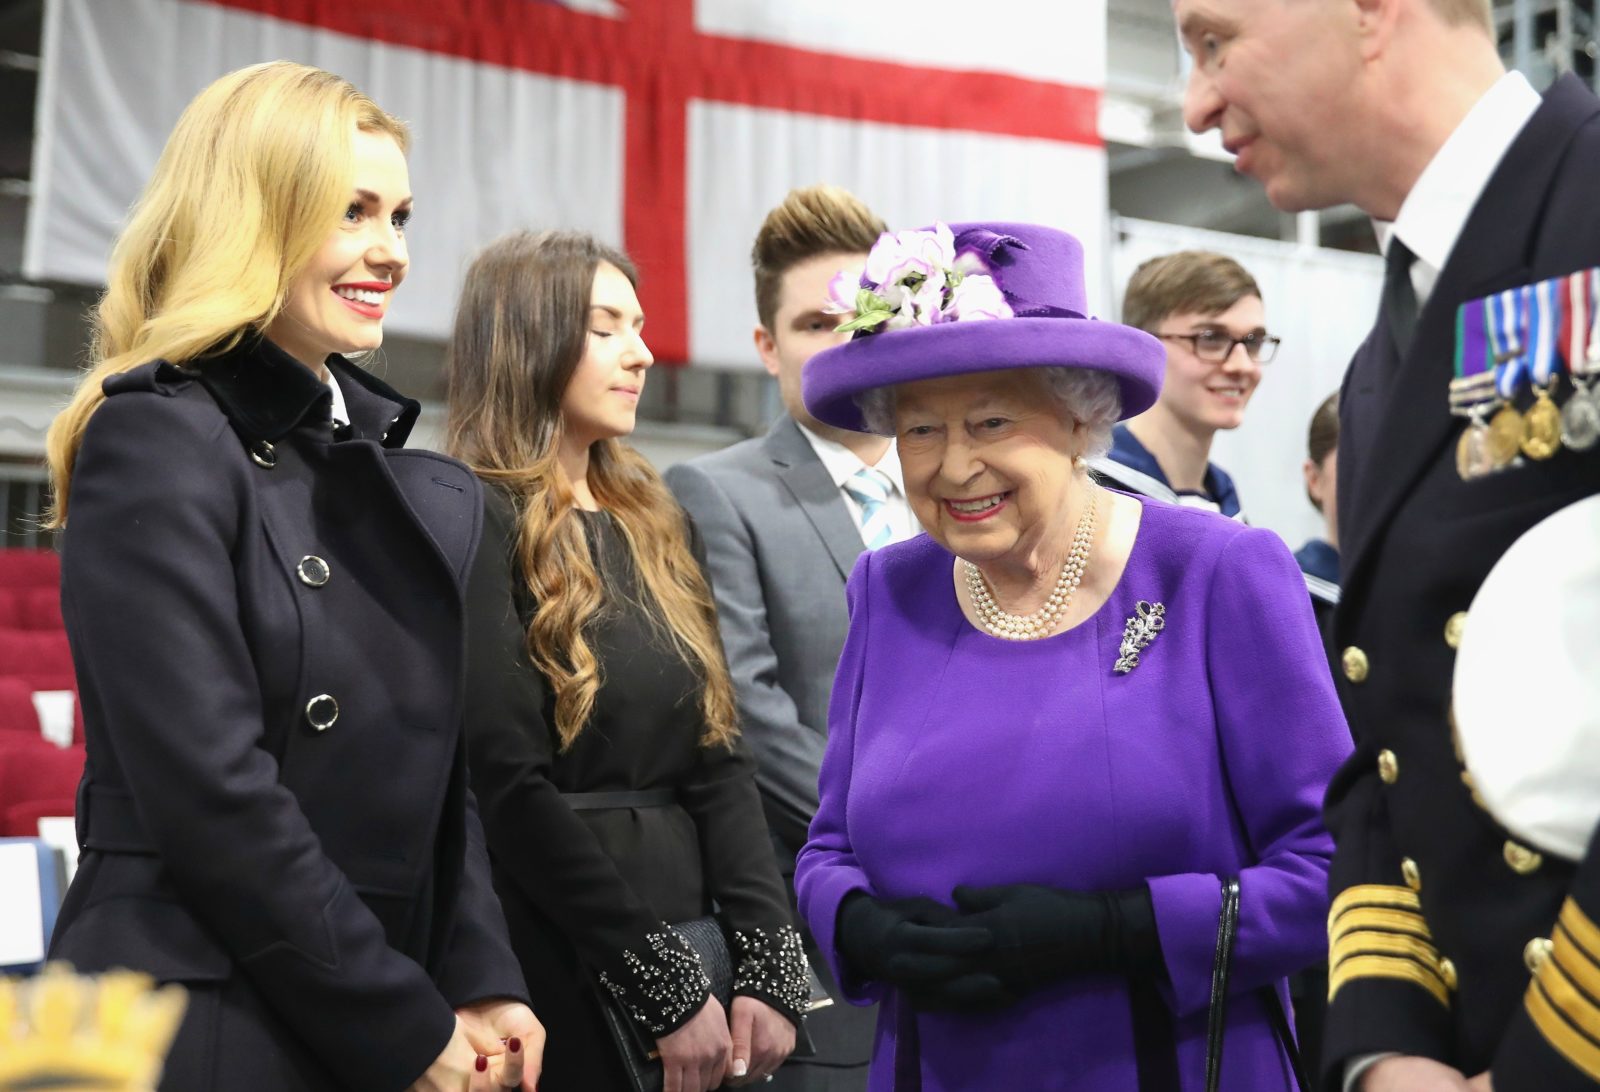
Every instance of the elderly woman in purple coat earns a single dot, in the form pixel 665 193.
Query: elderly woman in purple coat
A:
pixel 1065 719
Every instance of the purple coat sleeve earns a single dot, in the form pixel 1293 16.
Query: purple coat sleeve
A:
pixel 1281 735
pixel 826 869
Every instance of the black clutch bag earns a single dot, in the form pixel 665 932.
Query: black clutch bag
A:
pixel 637 1048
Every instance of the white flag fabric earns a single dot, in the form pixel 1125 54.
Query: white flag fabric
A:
pixel 667 127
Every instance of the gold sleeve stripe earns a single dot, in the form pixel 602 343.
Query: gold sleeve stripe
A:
pixel 1372 943
pixel 1396 921
pixel 1379 966
pixel 1576 964
pixel 1567 1040
pixel 1581 929
pixel 1579 1008
pixel 1374 894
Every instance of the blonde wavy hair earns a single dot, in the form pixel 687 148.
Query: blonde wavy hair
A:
pixel 522 325
pixel 251 182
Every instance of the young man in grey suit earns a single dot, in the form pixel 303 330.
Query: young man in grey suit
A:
pixel 784 517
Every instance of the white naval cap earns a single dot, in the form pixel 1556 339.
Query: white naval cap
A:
pixel 1527 684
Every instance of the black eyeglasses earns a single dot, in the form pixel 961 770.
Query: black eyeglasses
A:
pixel 1216 346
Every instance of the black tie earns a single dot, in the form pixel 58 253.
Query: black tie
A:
pixel 1399 295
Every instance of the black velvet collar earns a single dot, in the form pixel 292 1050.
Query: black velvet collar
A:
pixel 266 394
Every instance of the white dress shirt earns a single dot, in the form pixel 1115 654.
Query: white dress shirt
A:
pixel 842 465
pixel 1429 223
pixel 340 413
pixel 1434 212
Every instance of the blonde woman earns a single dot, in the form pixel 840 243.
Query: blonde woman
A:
pixel 617 797
pixel 262 592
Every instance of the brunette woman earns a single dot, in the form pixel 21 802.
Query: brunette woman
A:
pixel 617 796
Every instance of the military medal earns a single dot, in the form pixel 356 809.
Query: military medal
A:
pixel 1541 430
pixel 1506 432
pixel 1580 417
pixel 1541 425
pixel 1472 392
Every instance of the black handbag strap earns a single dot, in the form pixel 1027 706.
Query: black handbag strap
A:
pixel 1221 969
pixel 1216 1016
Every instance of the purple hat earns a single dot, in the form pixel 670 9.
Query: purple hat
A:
pixel 918 305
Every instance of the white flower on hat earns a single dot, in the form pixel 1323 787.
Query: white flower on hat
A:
pixel 978 297
pixel 915 278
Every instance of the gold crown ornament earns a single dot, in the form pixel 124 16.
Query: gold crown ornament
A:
pixel 60 1031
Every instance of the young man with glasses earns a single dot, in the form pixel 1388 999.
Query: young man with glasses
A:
pixel 1207 310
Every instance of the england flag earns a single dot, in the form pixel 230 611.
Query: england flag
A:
pixel 668 126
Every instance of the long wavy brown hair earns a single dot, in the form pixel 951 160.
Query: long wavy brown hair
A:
pixel 521 329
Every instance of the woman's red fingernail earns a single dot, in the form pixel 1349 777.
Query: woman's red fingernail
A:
pixel 514 1045
pixel 483 1063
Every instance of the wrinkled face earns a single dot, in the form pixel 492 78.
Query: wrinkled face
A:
pixel 1205 395
pixel 801 329
pixel 1276 78
pixel 987 460
pixel 602 397
pixel 337 303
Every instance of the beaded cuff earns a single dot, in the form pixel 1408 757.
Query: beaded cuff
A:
pixel 663 985
pixel 773 965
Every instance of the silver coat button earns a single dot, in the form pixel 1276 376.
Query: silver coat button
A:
pixel 263 454
pixel 321 712
pixel 313 571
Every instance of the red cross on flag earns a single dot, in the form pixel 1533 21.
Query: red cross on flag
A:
pixel 670 126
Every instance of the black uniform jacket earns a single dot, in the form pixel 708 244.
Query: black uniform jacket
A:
pixel 266 620
pixel 1440 919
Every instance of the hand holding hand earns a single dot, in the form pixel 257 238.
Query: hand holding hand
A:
pixel 910 943
pixel 456 1068
pixel 510 1037
pixel 762 1039
pixel 695 1057
pixel 1040 934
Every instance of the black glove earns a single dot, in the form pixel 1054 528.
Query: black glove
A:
pixel 907 943
pixel 1041 935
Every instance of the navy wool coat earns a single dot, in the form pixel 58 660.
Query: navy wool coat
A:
pixel 1443 923
pixel 266 621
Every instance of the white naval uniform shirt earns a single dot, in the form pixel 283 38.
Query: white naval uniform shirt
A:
pixel 1434 212
pixel 1429 223
pixel 842 465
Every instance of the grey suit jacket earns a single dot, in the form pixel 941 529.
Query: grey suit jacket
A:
pixel 780 542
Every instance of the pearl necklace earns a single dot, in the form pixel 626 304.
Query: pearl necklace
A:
pixel 1031 627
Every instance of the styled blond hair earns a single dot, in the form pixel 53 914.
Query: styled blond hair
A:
pixel 810 222
pixel 521 328
pixel 250 183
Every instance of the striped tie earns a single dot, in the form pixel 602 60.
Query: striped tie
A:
pixel 870 487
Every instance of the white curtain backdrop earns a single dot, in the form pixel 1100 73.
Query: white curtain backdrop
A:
pixel 910 177
pixel 1322 303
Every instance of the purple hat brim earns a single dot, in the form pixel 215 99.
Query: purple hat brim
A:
pixel 832 379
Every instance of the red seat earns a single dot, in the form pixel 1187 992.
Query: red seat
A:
pixel 27 653
pixel 30 569
pixel 11 607
pixel 50 680
pixel 17 713
pixel 39 609
pixel 32 769
pixel 21 820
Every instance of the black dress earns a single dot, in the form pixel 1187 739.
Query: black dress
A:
pixel 588 894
